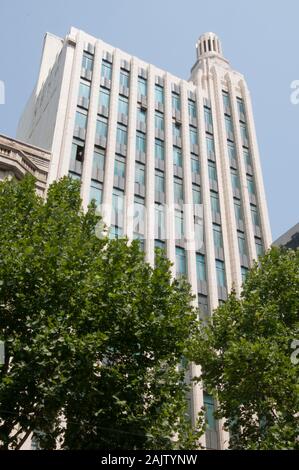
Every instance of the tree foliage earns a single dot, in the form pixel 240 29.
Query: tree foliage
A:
pixel 245 352
pixel 93 334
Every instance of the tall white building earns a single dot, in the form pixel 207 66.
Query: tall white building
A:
pixel 166 158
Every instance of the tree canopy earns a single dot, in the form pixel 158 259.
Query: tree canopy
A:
pixel 93 334
pixel 247 358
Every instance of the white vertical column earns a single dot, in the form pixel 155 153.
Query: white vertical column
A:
pixel 188 196
pixel 111 140
pixel 91 124
pixel 150 167
pixel 205 191
pixel 197 398
pixel 257 170
pixel 131 150
pixel 242 172
pixel 66 112
pixel 228 218
pixel 169 183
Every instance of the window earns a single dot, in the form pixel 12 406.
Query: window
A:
pixel 123 105
pixel 159 94
pixel 198 233
pixel 220 271
pixel 229 128
pixel 160 244
pixel 210 146
pixel 142 86
pixel 195 166
pixel 98 163
pixel 81 120
pixel 141 115
pixel 196 194
pixel 106 71
pixel 238 210
pixel 176 129
pixel 121 135
pixel 119 168
pixel 259 247
pixel 124 79
pixel 140 142
pixel 244 273
pixel 226 102
pixel 242 244
pixel 217 234
pixel 250 184
pixel 200 267
pixel 139 215
pixel 159 182
pixel 178 190
pixel 212 171
pixel 247 156
pixel 77 157
pixel 231 151
pixel 87 62
pixel 193 136
pixel 241 108
pixel 140 237
pixel 159 149
pixel 180 255
pixel 235 179
pixel 140 173
pixel 215 206
pixel 102 127
pixel 179 225
pixel 177 156
pixel 192 109
pixel 209 406
pixel 96 192
pixel 74 176
pixel 244 135
pixel 176 102
pixel 208 119
pixel 104 98
pixel 84 91
pixel 254 215
pixel 203 304
pixel 159 222
pixel 115 232
pixel 159 121
pixel 117 207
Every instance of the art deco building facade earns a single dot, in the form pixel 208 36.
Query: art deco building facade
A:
pixel 172 162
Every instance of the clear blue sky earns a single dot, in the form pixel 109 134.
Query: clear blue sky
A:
pixel 259 37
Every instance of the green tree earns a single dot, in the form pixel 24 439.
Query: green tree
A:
pixel 245 353
pixel 93 334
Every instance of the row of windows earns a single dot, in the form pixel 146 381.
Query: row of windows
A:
pixel 124 79
pixel 181 267
pixel 102 124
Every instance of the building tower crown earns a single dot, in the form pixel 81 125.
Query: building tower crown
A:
pixel 208 44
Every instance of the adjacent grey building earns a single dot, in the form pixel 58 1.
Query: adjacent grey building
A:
pixel 290 239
